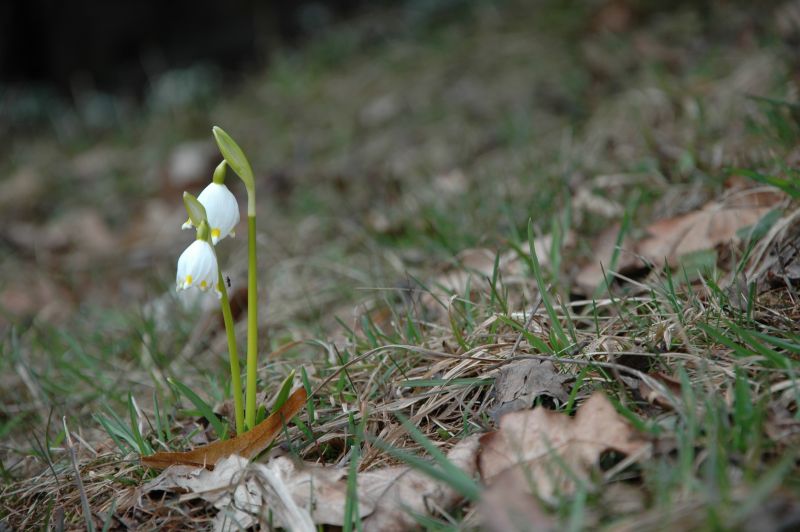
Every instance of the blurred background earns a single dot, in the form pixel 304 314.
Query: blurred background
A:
pixel 400 148
pixel 122 48
pixel 387 136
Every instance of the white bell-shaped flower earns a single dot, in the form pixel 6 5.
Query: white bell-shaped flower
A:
pixel 222 211
pixel 197 267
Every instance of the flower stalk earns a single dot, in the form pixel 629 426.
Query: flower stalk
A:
pixel 236 159
pixel 252 321
pixel 236 372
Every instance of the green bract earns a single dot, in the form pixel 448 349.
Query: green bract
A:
pixel 219 173
pixel 195 209
pixel 235 158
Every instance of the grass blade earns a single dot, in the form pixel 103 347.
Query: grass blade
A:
pixel 220 427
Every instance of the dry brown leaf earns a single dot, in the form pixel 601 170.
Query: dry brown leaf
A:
pixel 716 223
pixel 244 492
pixel 302 493
pixel 585 200
pixel 480 262
pixel 537 444
pixel 247 445
pixel 473 263
pixel 591 275
pixel 518 384
pixel 780 265
pixel 543 246
pixel 412 492
pixel 670 239
pixel 385 496
pixel 507 506
pixel 620 498
pixel 654 396
pixel 475 266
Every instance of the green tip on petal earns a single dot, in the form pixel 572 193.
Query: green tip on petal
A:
pixel 235 157
pixel 195 209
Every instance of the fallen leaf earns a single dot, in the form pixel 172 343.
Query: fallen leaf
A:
pixel 477 262
pixel 518 384
pixel 543 246
pixel 781 265
pixel 672 239
pixel 244 492
pixel 538 445
pixel 716 223
pixel 508 507
pixel 591 275
pixel 621 499
pixel 653 396
pixel 247 445
pixel 300 495
pixel 587 201
pixel 412 492
pixel 475 266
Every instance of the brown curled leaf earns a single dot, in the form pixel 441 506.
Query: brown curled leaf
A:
pixel 247 445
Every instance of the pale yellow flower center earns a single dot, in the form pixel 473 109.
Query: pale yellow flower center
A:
pixel 203 285
pixel 215 233
pixel 189 280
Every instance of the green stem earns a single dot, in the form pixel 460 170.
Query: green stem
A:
pixel 252 319
pixel 236 372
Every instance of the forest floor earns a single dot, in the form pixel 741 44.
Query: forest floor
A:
pixel 439 185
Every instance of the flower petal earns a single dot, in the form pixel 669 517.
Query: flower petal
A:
pixel 222 209
pixel 197 266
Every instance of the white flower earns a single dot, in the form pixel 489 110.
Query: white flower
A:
pixel 197 266
pixel 222 211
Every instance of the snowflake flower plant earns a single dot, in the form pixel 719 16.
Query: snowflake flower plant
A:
pixel 214 214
